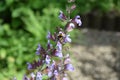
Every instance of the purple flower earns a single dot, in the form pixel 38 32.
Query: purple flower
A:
pixel 64 78
pixel 70 26
pixel 29 66
pixel 78 21
pixel 32 75
pixel 59 67
pixel 59 54
pixel 59 46
pixel 69 67
pixel 49 35
pixel 39 76
pixel 38 63
pixel 47 59
pixel 25 78
pixel 38 49
pixel 55 73
pixel 52 66
pixel 62 16
pixel 50 74
pixel 67 60
pixel 49 46
pixel 67 39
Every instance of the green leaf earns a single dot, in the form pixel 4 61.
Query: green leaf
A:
pixel 45 77
pixel 44 66
pixel 56 58
pixel 9 2
pixel 3 53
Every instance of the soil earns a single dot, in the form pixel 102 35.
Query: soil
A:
pixel 96 55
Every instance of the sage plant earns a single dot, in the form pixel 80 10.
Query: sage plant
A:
pixel 54 61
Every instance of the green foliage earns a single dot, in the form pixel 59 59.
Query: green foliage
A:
pixel 86 6
pixel 117 5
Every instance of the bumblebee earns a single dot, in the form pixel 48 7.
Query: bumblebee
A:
pixel 61 36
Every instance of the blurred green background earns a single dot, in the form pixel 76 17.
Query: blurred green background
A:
pixel 24 24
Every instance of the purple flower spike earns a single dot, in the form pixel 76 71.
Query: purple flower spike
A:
pixel 39 76
pixel 78 21
pixel 62 16
pixel 69 67
pixel 47 59
pixel 59 46
pixel 38 49
pixel 67 39
pixel 29 67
